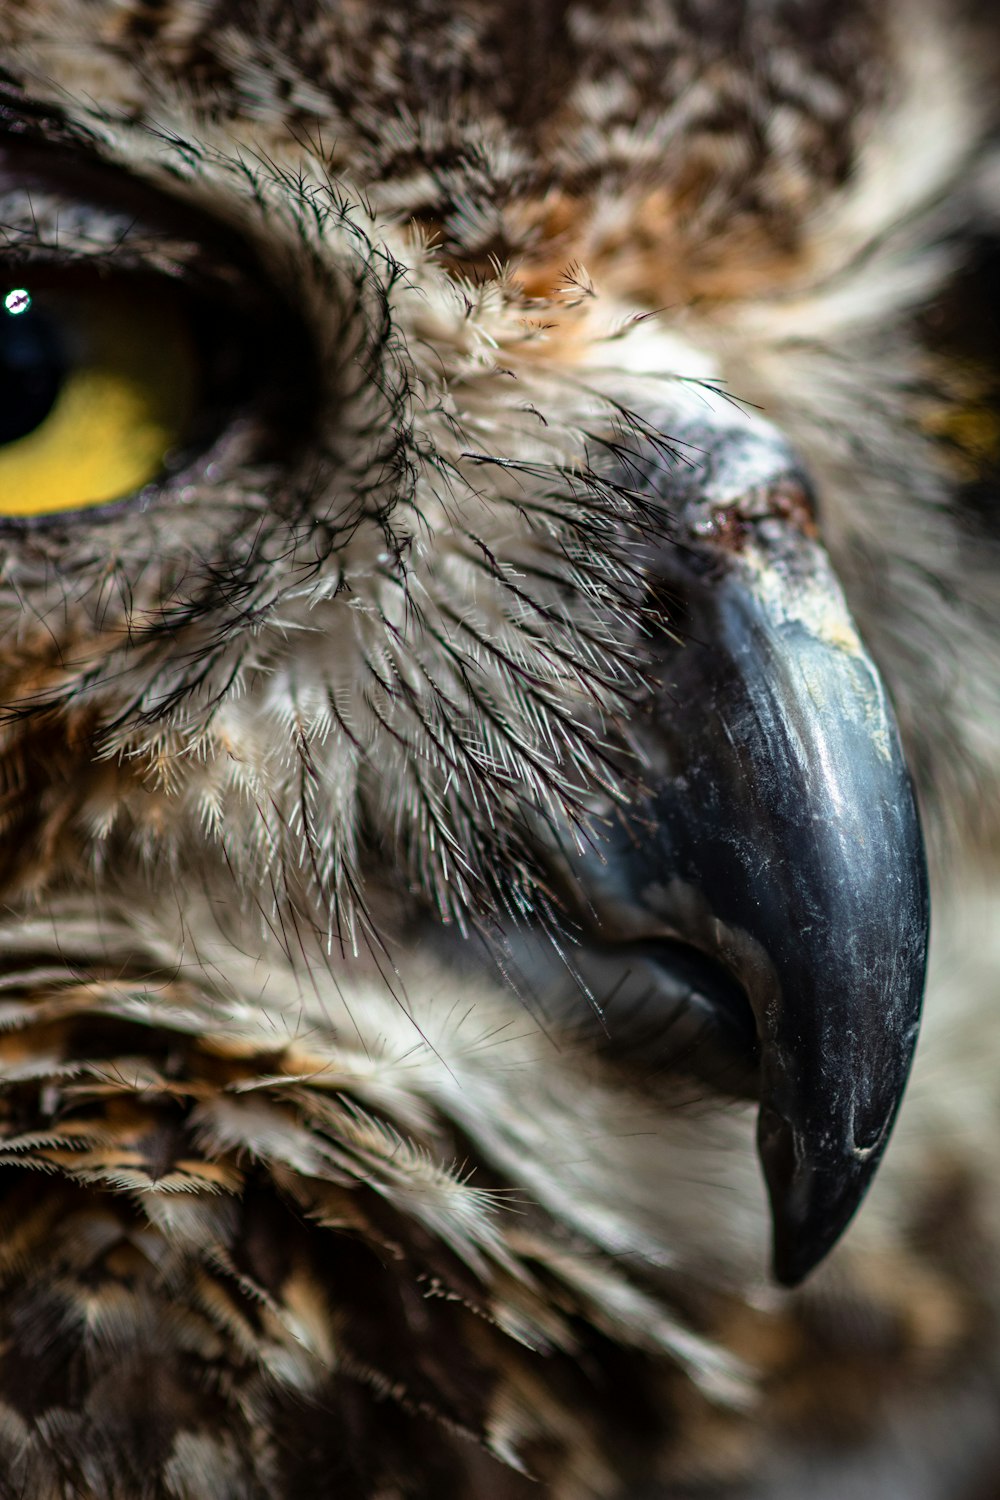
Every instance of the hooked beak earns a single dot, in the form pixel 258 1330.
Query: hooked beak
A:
pixel 780 837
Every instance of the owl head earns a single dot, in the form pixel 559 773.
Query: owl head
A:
pixel 473 481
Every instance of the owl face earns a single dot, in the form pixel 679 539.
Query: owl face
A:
pixel 473 481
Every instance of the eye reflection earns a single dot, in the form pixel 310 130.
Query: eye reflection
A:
pixel 18 300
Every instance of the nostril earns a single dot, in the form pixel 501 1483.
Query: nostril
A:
pixel 731 475
pixel 786 500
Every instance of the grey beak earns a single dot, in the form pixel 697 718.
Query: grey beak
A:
pixel 781 838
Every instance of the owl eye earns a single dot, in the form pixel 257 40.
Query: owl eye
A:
pixel 100 378
pixel 139 336
pixel 961 408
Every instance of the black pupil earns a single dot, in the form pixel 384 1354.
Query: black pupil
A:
pixel 32 368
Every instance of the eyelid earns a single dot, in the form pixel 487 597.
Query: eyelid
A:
pixel 66 202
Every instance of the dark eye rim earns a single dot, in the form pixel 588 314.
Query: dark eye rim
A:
pixel 258 363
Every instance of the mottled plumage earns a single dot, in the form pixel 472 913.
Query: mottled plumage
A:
pixel 312 1183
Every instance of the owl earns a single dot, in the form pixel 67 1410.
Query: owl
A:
pixel 498 664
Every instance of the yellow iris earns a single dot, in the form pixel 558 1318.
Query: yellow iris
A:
pixel 126 395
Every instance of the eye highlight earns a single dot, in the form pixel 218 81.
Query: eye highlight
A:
pixel 99 384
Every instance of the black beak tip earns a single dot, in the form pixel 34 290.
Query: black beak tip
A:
pixel 802 1241
pixel 811 1205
